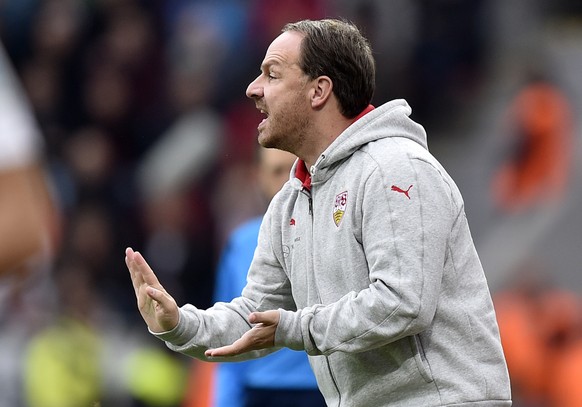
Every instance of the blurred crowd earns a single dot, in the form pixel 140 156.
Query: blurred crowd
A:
pixel 150 142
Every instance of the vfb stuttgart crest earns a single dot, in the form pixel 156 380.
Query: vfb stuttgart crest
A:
pixel 339 207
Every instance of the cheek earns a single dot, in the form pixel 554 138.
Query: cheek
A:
pixel 294 106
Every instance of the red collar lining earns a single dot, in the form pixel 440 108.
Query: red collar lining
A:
pixel 303 174
pixel 364 112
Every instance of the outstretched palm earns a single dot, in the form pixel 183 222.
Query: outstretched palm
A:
pixel 261 336
pixel 157 308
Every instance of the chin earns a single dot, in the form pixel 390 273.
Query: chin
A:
pixel 262 141
pixel 273 140
pixel 265 141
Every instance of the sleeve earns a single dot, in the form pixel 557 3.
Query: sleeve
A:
pixel 404 241
pixel 267 288
pixel 20 140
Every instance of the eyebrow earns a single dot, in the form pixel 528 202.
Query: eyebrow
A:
pixel 265 66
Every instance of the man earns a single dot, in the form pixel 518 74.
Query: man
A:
pixel 364 259
pixel 25 204
pixel 28 225
pixel 283 378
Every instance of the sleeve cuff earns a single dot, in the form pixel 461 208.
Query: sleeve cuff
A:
pixel 184 331
pixel 288 332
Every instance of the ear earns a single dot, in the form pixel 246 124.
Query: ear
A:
pixel 321 91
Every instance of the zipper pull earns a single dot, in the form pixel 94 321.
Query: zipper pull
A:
pixel 310 206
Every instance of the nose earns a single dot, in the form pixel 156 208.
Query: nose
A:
pixel 255 90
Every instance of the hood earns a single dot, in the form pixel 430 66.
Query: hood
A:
pixel 389 120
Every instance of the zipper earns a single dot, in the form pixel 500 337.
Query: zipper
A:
pixel 309 195
pixel 333 379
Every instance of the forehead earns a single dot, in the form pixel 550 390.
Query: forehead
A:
pixel 284 50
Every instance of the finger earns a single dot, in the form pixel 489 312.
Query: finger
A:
pixel 261 336
pixel 146 271
pixel 140 270
pixel 161 297
pixel 239 346
pixel 166 309
pixel 266 317
pixel 136 277
pixel 129 253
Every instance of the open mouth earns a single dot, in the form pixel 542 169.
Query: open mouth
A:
pixel 264 121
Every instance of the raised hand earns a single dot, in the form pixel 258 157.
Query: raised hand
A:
pixel 261 336
pixel 157 308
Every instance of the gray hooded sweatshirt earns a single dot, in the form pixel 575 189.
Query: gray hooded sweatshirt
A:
pixel 376 277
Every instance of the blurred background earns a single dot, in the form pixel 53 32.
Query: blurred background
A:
pixel 149 142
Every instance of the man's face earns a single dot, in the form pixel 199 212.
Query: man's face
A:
pixel 281 92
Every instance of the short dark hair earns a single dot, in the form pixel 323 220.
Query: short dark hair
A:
pixel 337 48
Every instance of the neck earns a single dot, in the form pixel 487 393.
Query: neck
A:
pixel 324 133
pixel 326 129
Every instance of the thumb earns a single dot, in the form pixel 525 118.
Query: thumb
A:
pixel 157 295
pixel 166 310
pixel 267 317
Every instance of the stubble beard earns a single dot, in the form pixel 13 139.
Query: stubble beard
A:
pixel 285 132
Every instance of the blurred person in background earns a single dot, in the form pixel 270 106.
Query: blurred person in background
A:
pixel 62 363
pixel 364 258
pixel 565 389
pixel 27 209
pixel 536 169
pixel 29 228
pixel 541 332
pixel 84 356
pixel 285 377
pixel 176 175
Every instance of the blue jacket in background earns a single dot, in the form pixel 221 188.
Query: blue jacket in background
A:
pixel 285 369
